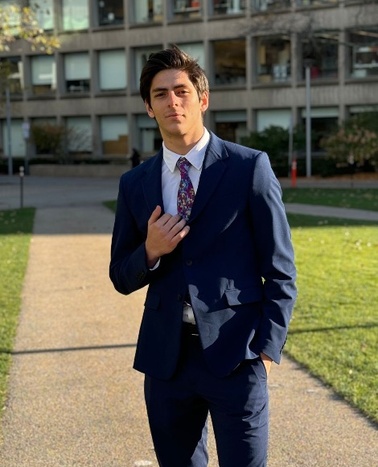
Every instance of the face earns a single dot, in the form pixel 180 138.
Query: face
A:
pixel 176 106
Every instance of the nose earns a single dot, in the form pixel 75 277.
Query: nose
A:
pixel 172 99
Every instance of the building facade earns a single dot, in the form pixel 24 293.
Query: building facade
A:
pixel 255 53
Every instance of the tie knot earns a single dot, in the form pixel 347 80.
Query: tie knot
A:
pixel 183 165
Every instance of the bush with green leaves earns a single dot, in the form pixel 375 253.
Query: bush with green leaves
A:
pixel 355 142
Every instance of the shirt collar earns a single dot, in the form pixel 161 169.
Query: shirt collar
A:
pixel 195 156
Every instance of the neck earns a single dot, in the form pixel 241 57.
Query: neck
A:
pixel 182 144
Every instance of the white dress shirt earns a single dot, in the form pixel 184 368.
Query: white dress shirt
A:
pixel 170 174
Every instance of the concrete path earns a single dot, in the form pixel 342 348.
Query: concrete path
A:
pixel 74 399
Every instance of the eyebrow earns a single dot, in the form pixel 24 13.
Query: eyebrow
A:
pixel 178 86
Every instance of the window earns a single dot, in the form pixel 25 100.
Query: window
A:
pixel 364 53
pixel 321 52
pixel 268 5
pixel 18 144
pixel 229 58
pixel 79 135
pixel 110 12
pixel 272 117
pixel 112 70
pixel 228 7
pixel 114 135
pixel 231 125
pixel 273 59
pixel 140 58
pixel 43 74
pixel 76 72
pixel 195 50
pixel 75 15
pixel 324 120
pixel 44 11
pixel 11 68
pixel 14 19
pixel 185 9
pixel 309 3
pixel 149 137
pixel 147 11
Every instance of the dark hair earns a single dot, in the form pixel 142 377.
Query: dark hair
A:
pixel 172 58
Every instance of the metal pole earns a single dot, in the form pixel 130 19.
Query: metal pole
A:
pixel 9 130
pixel 308 120
pixel 291 137
pixel 22 172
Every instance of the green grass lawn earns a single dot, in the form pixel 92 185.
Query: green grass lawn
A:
pixel 335 322
pixel 15 230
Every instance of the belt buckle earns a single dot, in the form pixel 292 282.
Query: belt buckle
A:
pixel 191 329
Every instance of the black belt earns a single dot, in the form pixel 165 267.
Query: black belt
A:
pixel 190 329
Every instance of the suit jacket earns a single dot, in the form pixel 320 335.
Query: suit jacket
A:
pixel 236 263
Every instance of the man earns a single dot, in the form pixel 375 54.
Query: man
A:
pixel 220 272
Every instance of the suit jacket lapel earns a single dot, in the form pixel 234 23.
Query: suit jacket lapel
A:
pixel 151 184
pixel 212 172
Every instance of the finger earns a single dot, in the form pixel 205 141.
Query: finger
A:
pixel 156 213
pixel 181 234
pixel 175 222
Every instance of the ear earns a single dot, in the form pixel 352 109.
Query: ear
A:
pixel 204 100
pixel 150 112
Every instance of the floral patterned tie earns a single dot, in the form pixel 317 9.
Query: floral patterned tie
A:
pixel 185 195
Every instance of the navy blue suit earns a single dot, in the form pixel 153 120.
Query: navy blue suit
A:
pixel 236 264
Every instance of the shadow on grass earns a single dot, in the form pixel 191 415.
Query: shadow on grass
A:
pixel 303 220
pixel 335 328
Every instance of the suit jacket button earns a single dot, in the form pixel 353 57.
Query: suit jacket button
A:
pixel 188 262
pixel 179 297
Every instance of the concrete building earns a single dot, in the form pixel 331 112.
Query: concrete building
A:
pixel 254 51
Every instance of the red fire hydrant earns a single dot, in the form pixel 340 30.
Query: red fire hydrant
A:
pixel 294 173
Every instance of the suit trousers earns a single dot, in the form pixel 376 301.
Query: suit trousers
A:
pixel 178 408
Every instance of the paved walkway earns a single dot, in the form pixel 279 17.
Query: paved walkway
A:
pixel 74 399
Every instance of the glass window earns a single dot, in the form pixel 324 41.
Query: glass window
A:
pixel 112 70
pixel 267 5
pixel 43 73
pixel 273 117
pixel 44 11
pixel 140 58
pixel 195 50
pixel 309 3
pixel 75 15
pixel 273 59
pixel 228 7
pixel 13 16
pixel 185 9
pixel 321 52
pixel 147 11
pixel 110 12
pixel 231 125
pixel 364 53
pixel 11 73
pixel 149 137
pixel 77 72
pixel 324 120
pixel 229 58
pixel 47 137
pixel 79 131
pixel 114 135
pixel 17 141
